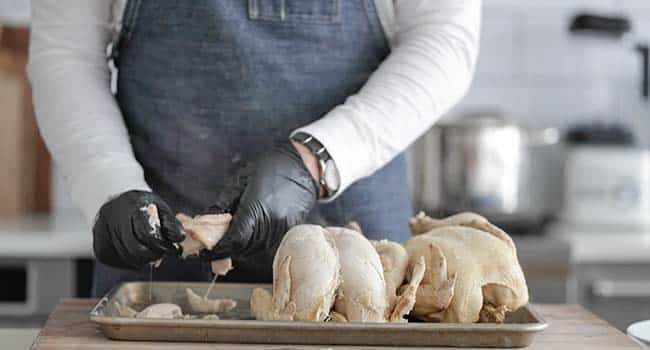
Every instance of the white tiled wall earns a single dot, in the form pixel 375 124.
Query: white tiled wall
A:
pixel 533 70
pixel 14 12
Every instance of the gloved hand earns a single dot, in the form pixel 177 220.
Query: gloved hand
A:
pixel 278 194
pixel 127 235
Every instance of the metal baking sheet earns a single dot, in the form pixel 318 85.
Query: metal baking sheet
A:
pixel 238 325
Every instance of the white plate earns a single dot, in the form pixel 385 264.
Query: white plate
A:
pixel 640 330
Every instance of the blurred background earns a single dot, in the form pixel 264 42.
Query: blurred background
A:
pixel 551 143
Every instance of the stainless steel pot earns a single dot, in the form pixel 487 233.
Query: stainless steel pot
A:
pixel 494 167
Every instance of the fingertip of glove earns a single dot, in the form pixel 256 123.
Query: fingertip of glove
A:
pixel 171 228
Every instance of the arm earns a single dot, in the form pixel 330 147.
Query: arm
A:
pixel 77 115
pixel 429 69
pixel 84 130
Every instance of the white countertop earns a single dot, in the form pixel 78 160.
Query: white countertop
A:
pixel 45 236
pixel 17 338
pixel 600 244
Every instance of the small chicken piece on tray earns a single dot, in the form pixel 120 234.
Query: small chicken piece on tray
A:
pixel 163 310
pixel 125 310
pixel 198 305
pixel 205 305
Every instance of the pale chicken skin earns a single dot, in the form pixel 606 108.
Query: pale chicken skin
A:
pixel 163 310
pixel 336 274
pixel 395 261
pixel 362 296
pixel 306 275
pixel 472 271
pixel 204 305
pixel 204 232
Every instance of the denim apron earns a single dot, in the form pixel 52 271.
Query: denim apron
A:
pixel 205 87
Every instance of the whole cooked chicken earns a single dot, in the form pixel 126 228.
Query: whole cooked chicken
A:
pixel 472 272
pixel 305 277
pixel 362 294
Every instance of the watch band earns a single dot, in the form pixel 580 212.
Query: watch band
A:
pixel 323 157
pixel 313 145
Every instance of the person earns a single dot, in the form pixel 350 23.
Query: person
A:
pixel 279 112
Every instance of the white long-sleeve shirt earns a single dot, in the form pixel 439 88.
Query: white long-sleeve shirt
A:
pixel 434 45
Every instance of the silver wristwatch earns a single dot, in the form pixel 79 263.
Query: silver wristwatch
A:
pixel 329 174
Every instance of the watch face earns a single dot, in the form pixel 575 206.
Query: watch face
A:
pixel 331 176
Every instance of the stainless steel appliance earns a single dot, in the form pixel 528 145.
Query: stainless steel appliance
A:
pixel 607 185
pixel 607 178
pixel 33 286
pixel 499 169
pixel 607 193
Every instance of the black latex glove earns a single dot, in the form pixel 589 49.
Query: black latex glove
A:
pixel 278 194
pixel 123 236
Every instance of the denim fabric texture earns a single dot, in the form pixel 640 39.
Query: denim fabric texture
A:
pixel 205 87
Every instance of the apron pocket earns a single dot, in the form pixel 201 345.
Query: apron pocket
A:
pixel 296 11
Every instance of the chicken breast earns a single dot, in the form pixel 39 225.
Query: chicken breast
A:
pixel 305 277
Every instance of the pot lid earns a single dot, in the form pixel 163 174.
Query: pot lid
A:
pixel 486 118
